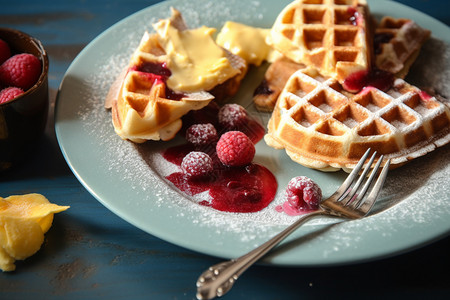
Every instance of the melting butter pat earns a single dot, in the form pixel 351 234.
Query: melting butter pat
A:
pixel 246 41
pixel 24 220
pixel 196 62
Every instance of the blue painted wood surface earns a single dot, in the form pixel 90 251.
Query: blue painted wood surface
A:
pixel 90 253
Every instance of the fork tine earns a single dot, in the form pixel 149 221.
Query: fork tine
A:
pixel 357 202
pixel 367 205
pixel 354 189
pixel 351 177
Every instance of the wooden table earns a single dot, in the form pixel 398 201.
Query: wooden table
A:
pixel 90 253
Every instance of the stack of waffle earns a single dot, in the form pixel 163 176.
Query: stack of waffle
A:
pixel 320 121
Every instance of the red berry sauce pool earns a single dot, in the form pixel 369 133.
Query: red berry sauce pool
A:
pixel 244 189
pixel 231 189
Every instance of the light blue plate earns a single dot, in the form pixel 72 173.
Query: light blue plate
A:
pixel 127 179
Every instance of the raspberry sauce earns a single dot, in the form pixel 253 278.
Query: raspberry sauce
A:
pixel 244 190
pixel 231 189
pixel 159 72
pixel 154 68
pixel 379 79
pixel 241 189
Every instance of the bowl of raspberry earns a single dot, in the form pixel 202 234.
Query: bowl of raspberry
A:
pixel 24 98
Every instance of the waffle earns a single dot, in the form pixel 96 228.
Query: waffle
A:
pixel 333 36
pixel 144 107
pixel 397 44
pixel 276 76
pixel 321 126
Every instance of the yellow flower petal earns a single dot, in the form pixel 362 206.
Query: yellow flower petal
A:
pixel 45 222
pixel 23 237
pixel 23 221
pixel 6 261
pixel 28 206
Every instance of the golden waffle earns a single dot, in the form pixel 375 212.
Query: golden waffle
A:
pixel 276 76
pixel 323 127
pixel 397 44
pixel 144 108
pixel 333 36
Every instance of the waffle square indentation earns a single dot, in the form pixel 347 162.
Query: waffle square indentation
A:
pixel 288 33
pixel 420 106
pixel 351 115
pixel 314 38
pixel 374 128
pixel 287 102
pixel 288 17
pixel 325 102
pixel 305 117
pixel 372 101
pixel 343 17
pixel 399 118
pixel 346 55
pixel 301 88
pixel 313 16
pixel 330 128
pixel 345 37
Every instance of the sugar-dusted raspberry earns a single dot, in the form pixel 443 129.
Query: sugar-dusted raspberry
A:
pixel 197 164
pixel 303 193
pixel 9 93
pixel 5 51
pixel 235 149
pixel 21 70
pixel 232 116
pixel 201 134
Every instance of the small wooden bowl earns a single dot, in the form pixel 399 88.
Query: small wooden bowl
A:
pixel 23 119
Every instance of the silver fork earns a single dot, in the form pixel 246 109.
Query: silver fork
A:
pixel 352 200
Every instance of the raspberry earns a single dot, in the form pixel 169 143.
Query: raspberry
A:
pixel 20 70
pixel 5 51
pixel 303 193
pixel 232 116
pixel 201 134
pixel 235 149
pixel 9 93
pixel 197 164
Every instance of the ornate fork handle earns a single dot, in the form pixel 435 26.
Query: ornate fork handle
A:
pixel 219 279
pixel 348 202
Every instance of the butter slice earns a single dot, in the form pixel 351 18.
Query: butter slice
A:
pixel 246 41
pixel 196 62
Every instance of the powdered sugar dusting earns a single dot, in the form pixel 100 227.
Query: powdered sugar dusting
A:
pixel 417 193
